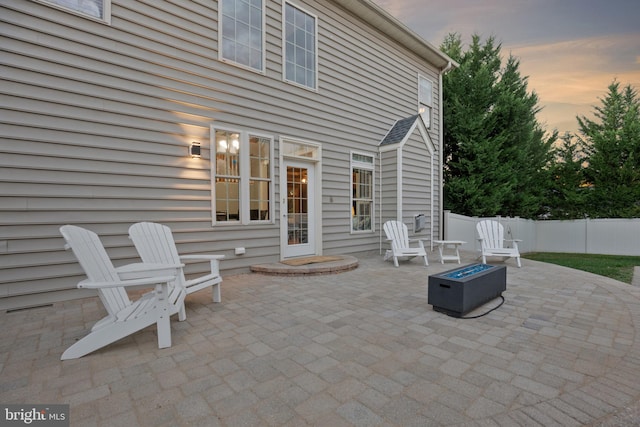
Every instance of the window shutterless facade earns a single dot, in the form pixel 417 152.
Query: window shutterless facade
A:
pixel 242 174
pixel 425 100
pixel 300 46
pixel 95 9
pixel 362 191
pixel 241 36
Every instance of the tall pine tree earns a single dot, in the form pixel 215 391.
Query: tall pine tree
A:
pixel 567 193
pixel 613 146
pixel 495 150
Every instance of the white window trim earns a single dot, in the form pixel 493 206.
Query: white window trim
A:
pixel 263 66
pixel 368 166
pixel 428 104
pixel 106 11
pixel 245 176
pixel 314 161
pixel 284 46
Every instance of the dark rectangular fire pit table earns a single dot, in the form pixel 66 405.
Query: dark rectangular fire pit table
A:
pixel 457 292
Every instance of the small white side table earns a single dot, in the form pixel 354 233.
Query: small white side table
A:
pixel 449 244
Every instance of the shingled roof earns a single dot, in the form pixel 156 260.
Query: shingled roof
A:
pixel 399 131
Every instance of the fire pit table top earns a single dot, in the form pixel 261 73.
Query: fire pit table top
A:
pixel 468 270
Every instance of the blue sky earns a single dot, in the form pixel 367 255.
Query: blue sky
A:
pixel 571 50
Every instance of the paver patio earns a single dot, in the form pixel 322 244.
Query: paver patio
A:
pixel 360 348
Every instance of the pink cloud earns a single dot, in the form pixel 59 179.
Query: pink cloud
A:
pixel 570 54
pixel 575 74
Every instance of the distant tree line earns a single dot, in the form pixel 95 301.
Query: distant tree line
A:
pixel 500 161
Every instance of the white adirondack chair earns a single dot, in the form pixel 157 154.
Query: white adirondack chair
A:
pixel 124 317
pixel 155 244
pixel 492 241
pixel 398 234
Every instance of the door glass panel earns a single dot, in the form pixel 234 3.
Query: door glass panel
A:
pixel 297 206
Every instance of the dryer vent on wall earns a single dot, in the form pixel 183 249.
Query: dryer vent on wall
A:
pixel 419 222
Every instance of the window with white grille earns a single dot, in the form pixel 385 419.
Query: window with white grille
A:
pixel 98 9
pixel 300 53
pixel 241 36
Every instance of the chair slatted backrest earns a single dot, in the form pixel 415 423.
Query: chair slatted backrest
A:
pixel 492 233
pixel 398 233
pixel 155 244
pixel 95 262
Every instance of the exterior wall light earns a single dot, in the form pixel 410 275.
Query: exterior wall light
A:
pixel 194 150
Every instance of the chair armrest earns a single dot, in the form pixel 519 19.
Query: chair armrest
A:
pixel 141 270
pixel 514 243
pixel 202 257
pixel 420 241
pixel 146 281
pixel 213 259
pixel 417 239
pixel 513 240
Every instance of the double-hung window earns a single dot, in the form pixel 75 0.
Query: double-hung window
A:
pixel 362 190
pixel 242 173
pixel 300 47
pixel 242 33
pixel 98 9
pixel 425 100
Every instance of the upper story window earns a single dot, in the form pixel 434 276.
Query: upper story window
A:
pixel 362 192
pixel 425 100
pixel 242 34
pixel 242 171
pixel 300 50
pixel 98 9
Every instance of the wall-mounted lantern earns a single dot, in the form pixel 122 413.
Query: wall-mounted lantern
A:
pixel 195 150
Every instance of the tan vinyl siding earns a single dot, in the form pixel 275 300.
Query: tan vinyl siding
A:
pixel 416 183
pixel 389 186
pixel 96 120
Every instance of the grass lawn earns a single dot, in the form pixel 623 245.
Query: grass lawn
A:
pixel 613 266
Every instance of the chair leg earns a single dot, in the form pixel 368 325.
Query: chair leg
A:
pixel 103 337
pixel 164 328
pixel 518 261
pixel 182 313
pixel 215 290
pixel 426 261
pixel 395 261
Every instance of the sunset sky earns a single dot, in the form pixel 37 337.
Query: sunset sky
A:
pixel 570 49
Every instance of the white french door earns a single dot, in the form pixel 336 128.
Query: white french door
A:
pixel 299 209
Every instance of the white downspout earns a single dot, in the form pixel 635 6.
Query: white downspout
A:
pixel 399 206
pixel 431 205
pixel 380 200
pixel 448 67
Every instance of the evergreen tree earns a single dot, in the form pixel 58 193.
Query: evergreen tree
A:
pixel 613 147
pixel 495 150
pixel 567 192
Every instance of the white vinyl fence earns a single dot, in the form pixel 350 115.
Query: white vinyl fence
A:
pixel 592 236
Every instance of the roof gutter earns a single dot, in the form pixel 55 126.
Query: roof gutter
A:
pixel 447 68
pixel 379 18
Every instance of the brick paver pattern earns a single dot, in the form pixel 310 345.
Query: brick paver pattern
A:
pixel 360 348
